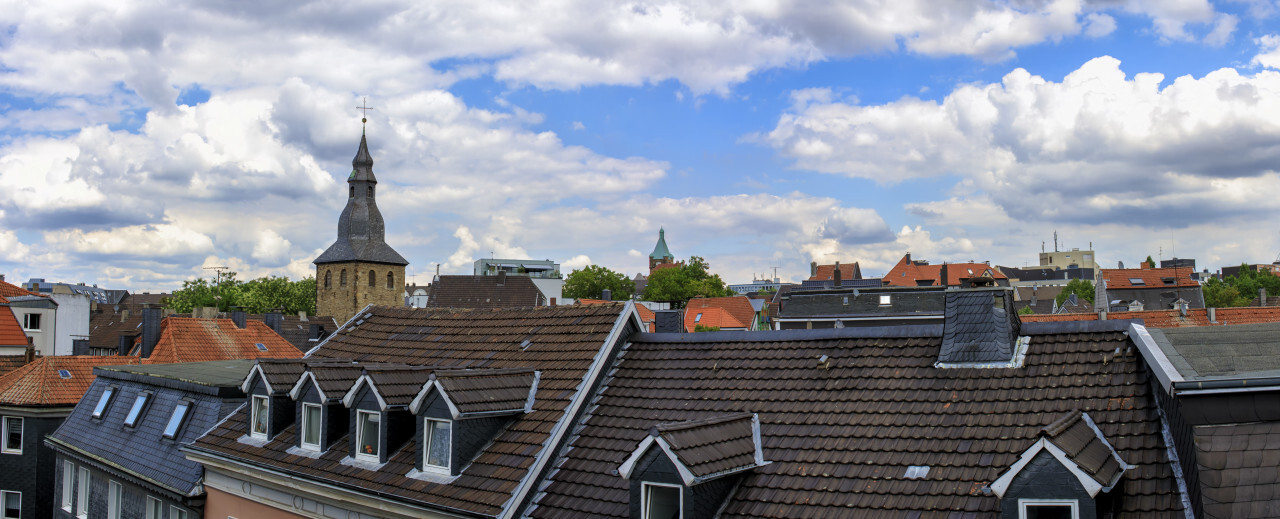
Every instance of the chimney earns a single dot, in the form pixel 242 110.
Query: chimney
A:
pixel 125 344
pixel 945 280
pixel 835 276
pixel 1262 297
pixel 302 315
pixel 1 277
pixel 813 268
pixel 80 347
pixel 502 277
pixel 606 295
pixel 1213 314
pixel 907 258
pixel 31 351
pixel 273 320
pixel 240 318
pixel 151 318
pixel 667 321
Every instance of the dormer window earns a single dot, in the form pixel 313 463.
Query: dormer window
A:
pixel 368 433
pixel 135 412
pixel 103 402
pixel 661 501
pixel 259 410
pixel 438 440
pixel 311 414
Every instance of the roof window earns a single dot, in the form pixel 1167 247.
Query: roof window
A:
pixel 261 346
pixel 64 373
pixel 1137 282
pixel 135 412
pixel 175 420
pixel 103 400
pixel 917 472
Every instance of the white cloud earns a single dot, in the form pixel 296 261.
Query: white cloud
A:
pixel 1098 25
pixel 12 249
pixel 575 263
pixel 1224 26
pixel 271 248
pixel 140 241
pixel 1268 51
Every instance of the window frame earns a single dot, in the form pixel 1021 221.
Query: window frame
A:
pixel 104 402
pixel 253 416
pixel 26 322
pixel 177 513
pixel 115 497
pixel 21 435
pixel 302 438
pixel 82 491
pixel 155 508
pixel 138 409
pixel 185 405
pixel 1074 504
pixel 376 456
pixel 427 433
pixel 644 497
pixel 4 503
pixel 68 482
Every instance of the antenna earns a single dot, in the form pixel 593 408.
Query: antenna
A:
pixel 1055 241
pixel 775 272
pixel 217 294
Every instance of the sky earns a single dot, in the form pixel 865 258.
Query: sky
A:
pixel 143 142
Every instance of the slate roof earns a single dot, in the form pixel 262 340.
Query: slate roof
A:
pixel 840 436
pixel 484 292
pixel 1151 278
pixel 476 392
pixel 906 273
pixel 975 332
pixel 40 384
pixel 361 230
pixel 141 452
pixel 737 312
pixel 187 339
pixel 561 342
pixel 107 325
pixel 1174 319
pixel 711 446
pixel 146 298
pixel 1227 351
pixel 1237 466
pixel 1092 453
pixel 847 302
pixel 11 333
pixel 848 271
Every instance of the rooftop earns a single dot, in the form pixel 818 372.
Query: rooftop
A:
pixel 187 339
pixel 1226 351
pixel 53 381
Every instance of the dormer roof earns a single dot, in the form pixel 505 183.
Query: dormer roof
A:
pixel 485 392
pixel 704 450
pixel 1081 447
pixel 393 386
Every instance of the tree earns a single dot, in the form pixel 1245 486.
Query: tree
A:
pixel 255 296
pixel 677 285
pixel 1026 310
pixel 1240 289
pixel 1082 288
pixel 590 282
pixel 1150 261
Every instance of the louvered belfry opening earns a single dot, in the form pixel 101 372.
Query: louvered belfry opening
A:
pixel 980 326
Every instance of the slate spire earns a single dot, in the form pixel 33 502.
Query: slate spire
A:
pixel 361 230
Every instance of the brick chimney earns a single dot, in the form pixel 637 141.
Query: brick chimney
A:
pixel 813 268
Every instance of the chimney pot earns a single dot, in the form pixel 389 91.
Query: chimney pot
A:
pixel 553 302
pixel 606 295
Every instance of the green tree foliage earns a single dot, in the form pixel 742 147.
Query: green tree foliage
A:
pixel 1239 290
pixel 1082 288
pixel 700 328
pixel 255 296
pixel 1150 261
pixel 591 281
pixel 677 285
pixel 1026 310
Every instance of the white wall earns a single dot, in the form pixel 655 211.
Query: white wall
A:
pixel 73 321
pixel 42 339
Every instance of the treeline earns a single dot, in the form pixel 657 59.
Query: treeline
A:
pixel 256 296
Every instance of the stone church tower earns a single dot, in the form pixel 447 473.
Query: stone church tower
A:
pixel 360 268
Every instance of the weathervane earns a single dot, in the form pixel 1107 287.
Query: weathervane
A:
pixel 364 107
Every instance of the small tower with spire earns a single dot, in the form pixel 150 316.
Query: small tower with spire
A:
pixel 359 268
pixel 660 254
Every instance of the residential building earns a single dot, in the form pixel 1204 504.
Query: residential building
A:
pixel 500 291
pixel 359 269
pixel 1074 258
pixel 115 329
pixel 859 307
pixel 1043 300
pixel 117 452
pixel 416 296
pixel 34 400
pixel 188 339
pixel 1032 276
pixel 1174 318
pixel 38 314
pixel 1147 289
pixel 97 295
pixel 846 271
pixel 721 313
pixel 648 318
pixel 413 413
pixel 756 285
pixel 13 341
pixel 545 269
pixel 980 416
pixel 912 273
pixel 1234 270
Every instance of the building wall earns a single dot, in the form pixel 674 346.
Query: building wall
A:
pixel 31 472
pixel 44 338
pixel 133 503
pixel 343 301
pixel 73 321
pixel 221 504
pixel 1061 259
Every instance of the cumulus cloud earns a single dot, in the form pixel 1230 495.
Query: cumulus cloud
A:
pixel 163 241
pixel 271 248
pixel 1268 51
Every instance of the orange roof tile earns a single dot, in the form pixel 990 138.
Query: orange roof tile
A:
pixel 40 383
pixel 11 333
pixel 187 339
pixel 907 272
pixel 827 272
pixel 11 290
pixel 711 317
pixel 737 307
pixel 1122 278
pixel 1173 319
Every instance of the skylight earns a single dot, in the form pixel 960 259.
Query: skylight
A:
pixel 138 404
pixel 697 318
pixel 175 421
pixel 1137 281
pixel 261 346
pixel 103 401
pixel 64 373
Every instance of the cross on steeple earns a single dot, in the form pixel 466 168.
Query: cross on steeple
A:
pixel 364 107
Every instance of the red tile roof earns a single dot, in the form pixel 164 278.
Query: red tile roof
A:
pixel 11 290
pixel 11 333
pixel 907 272
pixel 827 272
pixel 1173 319
pixel 187 339
pixel 737 312
pixel 1122 278
pixel 40 383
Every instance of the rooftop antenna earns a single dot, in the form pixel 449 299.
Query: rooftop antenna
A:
pixel 364 107
pixel 775 272
pixel 1055 241
pixel 217 294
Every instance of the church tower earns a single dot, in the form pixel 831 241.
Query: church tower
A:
pixel 660 254
pixel 360 268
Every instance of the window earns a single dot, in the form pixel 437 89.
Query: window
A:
pixel 155 509
pixel 351 191
pixel 367 434
pixel 31 322
pixel 103 400
pixel 114 498
pixel 139 404
pixel 391 280
pixel 177 513
pixel 1048 509
pixel 258 417
pixel 12 435
pixel 372 278
pixel 328 279
pixel 175 420
pixel 342 278
pixel 697 318
pixel 12 505
pixel 82 490
pixel 260 346
pixel 68 479
pixel 311 426
pixel 439 438
pixel 660 501
pixel 62 373
pixel 885 300
pixel 370 192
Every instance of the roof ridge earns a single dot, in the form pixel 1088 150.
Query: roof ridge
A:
pixel 680 426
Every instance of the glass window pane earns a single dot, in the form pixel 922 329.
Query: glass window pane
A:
pixel 311 424
pixel 113 501
pixel 134 411
pixel 368 433
pixel 662 502
pixel 1048 511
pixel 438 443
pixel 12 434
pixel 12 505
pixel 177 513
pixel 260 415
pixel 68 479
pixel 102 402
pixel 175 421
pixel 82 491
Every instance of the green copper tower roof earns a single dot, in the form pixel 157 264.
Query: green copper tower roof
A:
pixel 660 250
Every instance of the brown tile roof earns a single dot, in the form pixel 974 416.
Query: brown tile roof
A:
pixel 828 272
pixel 1173 319
pixel 11 333
pixel 395 385
pixel 141 299
pixel 187 339
pixel 1151 278
pixel 736 312
pixel 562 344
pixel 484 292
pixel 841 436
pixel 40 383
pixel 646 315
pixel 711 446
pixel 475 392
pixel 1092 453
pixel 1237 466
pixel 907 272
pixel 11 362
pixel 107 325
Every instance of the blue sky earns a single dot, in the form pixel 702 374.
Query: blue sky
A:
pixel 141 143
